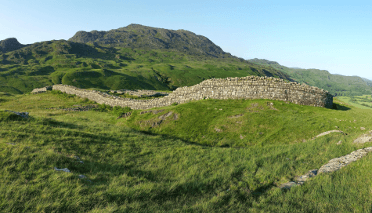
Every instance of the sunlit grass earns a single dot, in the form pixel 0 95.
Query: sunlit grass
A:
pixel 150 171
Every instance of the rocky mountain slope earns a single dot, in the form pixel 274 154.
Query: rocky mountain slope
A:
pixel 10 44
pixel 139 36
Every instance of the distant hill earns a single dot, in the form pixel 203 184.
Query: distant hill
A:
pixel 338 85
pixel 143 37
pixel 138 58
pixel 10 44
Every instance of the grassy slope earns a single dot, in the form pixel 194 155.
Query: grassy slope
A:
pixel 84 66
pixel 240 122
pixel 135 171
pixel 362 102
pixel 337 85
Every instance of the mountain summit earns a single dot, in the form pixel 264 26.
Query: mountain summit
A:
pixel 10 44
pixel 144 37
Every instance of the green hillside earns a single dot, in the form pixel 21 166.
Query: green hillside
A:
pixel 104 65
pixel 337 85
pixel 114 168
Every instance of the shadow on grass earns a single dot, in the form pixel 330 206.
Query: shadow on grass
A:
pixel 54 123
pixel 340 107
pixel 169 137
pixel 165 136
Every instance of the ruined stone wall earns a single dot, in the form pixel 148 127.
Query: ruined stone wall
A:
pixel 41 90
pixel 251 87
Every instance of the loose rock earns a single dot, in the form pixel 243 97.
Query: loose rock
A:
pixel 21 114
pixel 328 132
pixel 65 169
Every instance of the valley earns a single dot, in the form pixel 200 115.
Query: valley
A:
pixel 245 145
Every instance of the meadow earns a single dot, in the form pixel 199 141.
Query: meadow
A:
pixel 129 167
pixel 362 102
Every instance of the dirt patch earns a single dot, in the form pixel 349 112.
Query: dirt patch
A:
pixel 236 116
pixel 271 105
pixel 152 111
pixel 125 115
pixel 162 118
pixel 255 107
pixel 166 115
pixel 77 108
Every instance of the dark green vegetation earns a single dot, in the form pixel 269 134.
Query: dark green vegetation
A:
pixel 10 44
pixel 134 57
pixel 337 85
pixel 133 171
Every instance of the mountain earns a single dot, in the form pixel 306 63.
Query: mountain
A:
pixel 133 57
pixel 10 44
pixel 263 61
pixel 143 37
pixel 337 85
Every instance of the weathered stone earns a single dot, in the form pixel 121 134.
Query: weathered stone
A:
pixel 251 87
pixel 306 176
pixel 288 185
pixel 364 138
pixel 41 90
pixel 21 114
pixel 328 132
pixel 337 163
pixel 65 169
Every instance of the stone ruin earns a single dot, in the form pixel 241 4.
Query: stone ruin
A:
pixel 251 87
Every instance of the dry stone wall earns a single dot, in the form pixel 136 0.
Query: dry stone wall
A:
pixel 41 90
pixel 251 87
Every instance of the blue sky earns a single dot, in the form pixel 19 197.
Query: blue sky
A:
pixel 327 35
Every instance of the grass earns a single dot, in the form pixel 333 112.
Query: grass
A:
pixel 63 62
pixel 242 123
pixel 337 85
pixel 362 102
pixel 150 171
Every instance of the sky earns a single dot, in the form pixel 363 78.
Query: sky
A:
pixel 327 35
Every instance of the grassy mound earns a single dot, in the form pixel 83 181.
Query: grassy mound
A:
pixel 241 123
pixel 133 171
